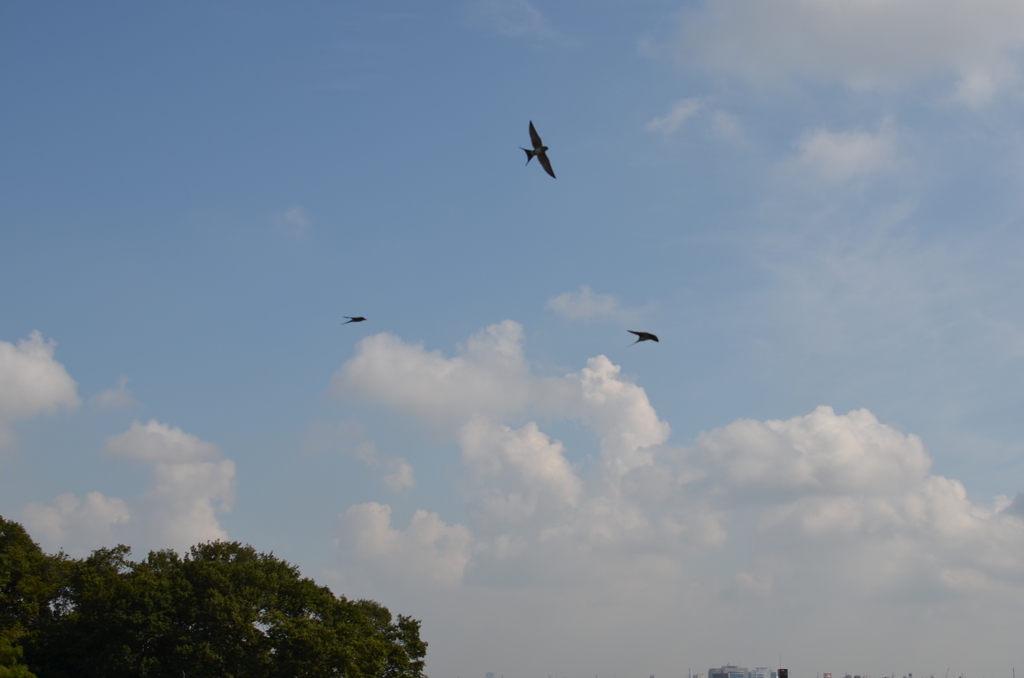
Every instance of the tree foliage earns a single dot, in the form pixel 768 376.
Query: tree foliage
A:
pixel 10 656
pixel 223 609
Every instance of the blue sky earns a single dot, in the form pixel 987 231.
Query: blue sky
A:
pixel 814 205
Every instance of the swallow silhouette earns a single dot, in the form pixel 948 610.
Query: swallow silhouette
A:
pixel 539 150
pixel 357 319
pixel 644 336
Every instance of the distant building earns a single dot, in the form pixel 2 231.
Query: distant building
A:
pixel 762 672
pixel 490 675
pixel 728 671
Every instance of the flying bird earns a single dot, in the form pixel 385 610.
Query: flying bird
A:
pixel 357 319
pixel 644 336
pixel 539 150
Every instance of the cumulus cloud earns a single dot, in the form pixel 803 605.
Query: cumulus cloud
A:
pixel 516 470
pixel 156 442
pixel 428 551
pixel 818 453
pixel 620 413
pixel 780 517
pixel 522 493
pixel 31 382
pixel 181 504
pixel 491 379
pixel 190 483
pixel 862 43
pixel 860 495
pixel 400 477
pixel 490 376
pixel 118 396
pixel 76 525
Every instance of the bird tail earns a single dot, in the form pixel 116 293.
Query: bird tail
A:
pixel 529 154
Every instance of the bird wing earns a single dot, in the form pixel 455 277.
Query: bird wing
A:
pixel 545 163
pixel 534 137
pixel 644 336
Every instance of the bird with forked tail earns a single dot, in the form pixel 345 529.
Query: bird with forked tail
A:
pixel 643 336
pixel 539 150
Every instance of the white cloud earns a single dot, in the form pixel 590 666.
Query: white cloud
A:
pixel 523 495
pixel 838 157
pixel 400 477
pixel 491 379
pixel 511 18
pixel 681 111
pixel 849 498
pixel 183 500
pixel 620 413
pixel 490 376
pixel 862 43
pixel 31 381
pixel 718 122
pixel 515 470
pixel 76 525
pixel 585 304
pixel 795 518
pixel 819 453
pixel 191 482
pixel 156 442
pixel 118 396
pixel 428 551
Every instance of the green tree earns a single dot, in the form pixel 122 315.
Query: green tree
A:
pixel 225 610
pixel 10 656
pixel 31 593
pixel 30 581
pixel 405 651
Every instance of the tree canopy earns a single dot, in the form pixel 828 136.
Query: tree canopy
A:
pixel 222 609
